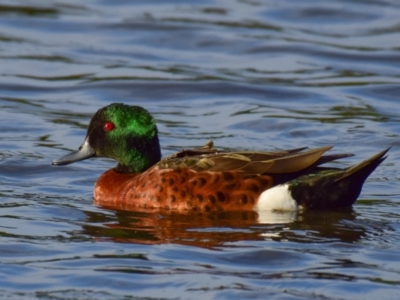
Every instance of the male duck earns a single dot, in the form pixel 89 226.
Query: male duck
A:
pixel 206 179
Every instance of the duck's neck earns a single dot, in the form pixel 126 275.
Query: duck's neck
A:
pixel 139 155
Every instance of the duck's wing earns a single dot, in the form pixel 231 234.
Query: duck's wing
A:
pixel 208 148
pixel 207 158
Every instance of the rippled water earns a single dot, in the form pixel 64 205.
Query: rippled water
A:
pixel 248 74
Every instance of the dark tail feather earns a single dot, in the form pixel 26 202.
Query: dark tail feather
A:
pixel 328 158
pixel 338 189
pixel 362 170
pixel 357 175
pixel 296 150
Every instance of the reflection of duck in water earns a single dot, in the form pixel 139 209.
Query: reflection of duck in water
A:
pixel 205 179
pixel 214 229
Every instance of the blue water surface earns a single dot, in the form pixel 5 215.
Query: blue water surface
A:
pixel 248 74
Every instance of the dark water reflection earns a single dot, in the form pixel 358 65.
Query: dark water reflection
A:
pixel 217 230
pixel 247 74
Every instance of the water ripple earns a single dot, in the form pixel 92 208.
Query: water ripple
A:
pixel 247 74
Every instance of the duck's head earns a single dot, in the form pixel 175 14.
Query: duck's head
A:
pixel 125 133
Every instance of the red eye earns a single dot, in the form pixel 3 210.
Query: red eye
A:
pixel 108 126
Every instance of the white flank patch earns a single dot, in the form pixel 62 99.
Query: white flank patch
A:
pixel 277 198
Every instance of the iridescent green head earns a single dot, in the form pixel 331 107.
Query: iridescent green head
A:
pixel 125 133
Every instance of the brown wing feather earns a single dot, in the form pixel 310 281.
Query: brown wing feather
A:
pixel 207 158
pixel 296 162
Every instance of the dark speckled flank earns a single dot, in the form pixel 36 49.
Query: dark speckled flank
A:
pixel 183 190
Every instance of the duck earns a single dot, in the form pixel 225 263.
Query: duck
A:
pixel 207 179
